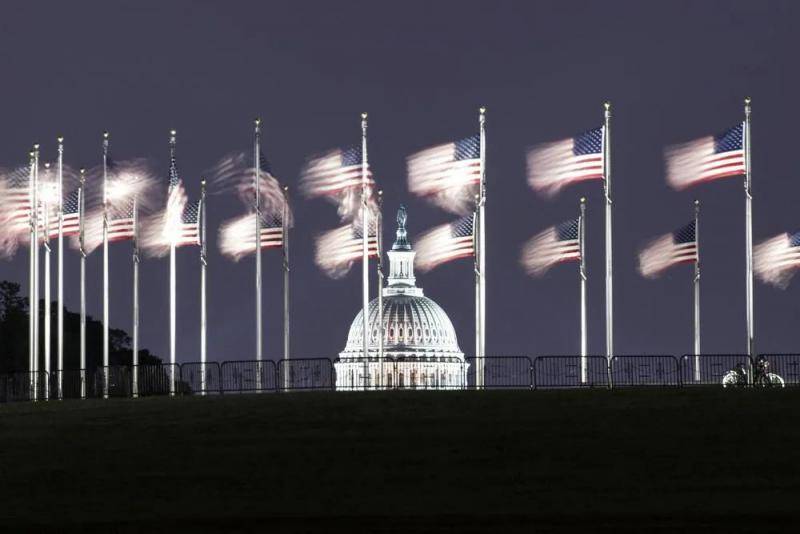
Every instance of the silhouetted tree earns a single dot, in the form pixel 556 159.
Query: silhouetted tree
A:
pixel 14 311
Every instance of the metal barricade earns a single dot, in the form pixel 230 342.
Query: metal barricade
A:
pixel 570 371
pixel 112 381
pixel 69 384
pixel 709 369
pixel 156 379
pixel 27 385
pixel 435 373
pixel 202 378
pixel 298 374
pixel 248 376
pixel 646 370
pixel 500 372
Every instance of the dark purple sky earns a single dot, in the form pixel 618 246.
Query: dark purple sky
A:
pixel 673 71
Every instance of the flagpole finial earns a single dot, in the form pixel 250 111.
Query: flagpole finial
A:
pixel 173 133
pixel 364 115
pixel 607 105
pixel 696 202
pixel 583 200
pixel 257 121
pixel 483 110
pixel 202 182
pixel 747 101
pixel 36 146
pixel 105 134
pixel 60 139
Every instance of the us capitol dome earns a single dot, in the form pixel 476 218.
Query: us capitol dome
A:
pixel 420 348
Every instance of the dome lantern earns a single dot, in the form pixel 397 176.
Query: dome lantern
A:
pixel 401 262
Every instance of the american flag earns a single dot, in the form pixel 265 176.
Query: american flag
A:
pixel 71 223
pixel 333 172
pixel 553 166
pixel 176 202
pixel 121 222
pixel 16 201
pixel 236 236
pixel 706 159
pixel 271 231
pixel 446 243
pixel 557 244
pixel 337 250
pixel 775 260
pixel 445 167
pixel 671 249
pixel 189 229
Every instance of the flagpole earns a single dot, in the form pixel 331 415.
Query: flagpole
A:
pixel 365 248
pixel 135 355
pixel 203 265
pixel 697 292
pixel 582 272
pixel 33 331
pixel 60 276
pixel 81 240
pixel 609 257
pixel 748 193
pixel 480 297
pixel 172 284
pixel 285 241
pixel 257 167
pixel 379 264
pixel 47 296
pixel 105 265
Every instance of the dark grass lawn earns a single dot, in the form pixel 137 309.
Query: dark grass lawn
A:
pixel 502 461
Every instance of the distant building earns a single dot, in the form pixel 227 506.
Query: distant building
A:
pixel 420 346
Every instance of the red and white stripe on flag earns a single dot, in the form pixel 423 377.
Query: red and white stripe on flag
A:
pixel 545 250
pixel 706 159
pixel 337 250
pixel 777 259
pixel 662 253
pixel 445 243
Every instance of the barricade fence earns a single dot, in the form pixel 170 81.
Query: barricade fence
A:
pixel 432 373
pixel 556 372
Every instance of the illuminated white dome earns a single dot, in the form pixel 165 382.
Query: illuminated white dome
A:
pixel 415 329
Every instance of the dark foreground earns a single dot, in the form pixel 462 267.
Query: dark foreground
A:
pixel 623 461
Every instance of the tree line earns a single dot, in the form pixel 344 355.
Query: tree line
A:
pixel 14 340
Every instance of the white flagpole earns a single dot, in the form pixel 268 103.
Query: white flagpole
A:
pixel 172 285
pixel 257 199
pixel 203 265
pixel 60 275
pixel 697 292
pixel 480 337
pixel 286 325
pixel 135 355
pixel 47 296
pixel 105 265
pixel 379 263
pixel 748 194
pixel 33 317
pixel 609 254
pixel 582 272
pixel 365 247
pixel 81 237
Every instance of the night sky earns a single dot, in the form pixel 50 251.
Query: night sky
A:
pixel 673 71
